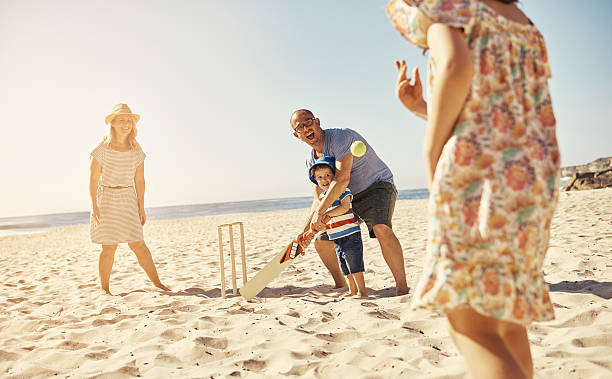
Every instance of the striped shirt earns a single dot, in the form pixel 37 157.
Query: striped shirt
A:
pixel 343 225
pixel 118 167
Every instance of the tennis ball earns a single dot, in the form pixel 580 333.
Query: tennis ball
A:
pixel 358 148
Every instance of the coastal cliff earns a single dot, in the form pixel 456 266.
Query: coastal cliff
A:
pixel 593 175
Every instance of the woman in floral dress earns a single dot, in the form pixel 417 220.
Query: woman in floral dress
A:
pixel 492 161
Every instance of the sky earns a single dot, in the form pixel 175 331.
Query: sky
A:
pixel 215 83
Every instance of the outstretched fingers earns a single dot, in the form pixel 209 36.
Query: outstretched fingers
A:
pixel 416 76
pixel 401 70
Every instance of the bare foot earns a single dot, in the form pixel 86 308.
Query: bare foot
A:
pixel 105 291
pixel 349 294
pixel 364 295
pixel 161 286
pixel 399 291
pixel 340 285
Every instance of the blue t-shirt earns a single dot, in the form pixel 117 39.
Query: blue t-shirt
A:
pixel 367 169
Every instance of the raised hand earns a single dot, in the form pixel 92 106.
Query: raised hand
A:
pixel 410 94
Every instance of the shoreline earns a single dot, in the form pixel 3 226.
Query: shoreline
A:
pixel 42 223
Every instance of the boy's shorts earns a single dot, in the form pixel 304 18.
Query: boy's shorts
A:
pixel 374 205
pixel 349 250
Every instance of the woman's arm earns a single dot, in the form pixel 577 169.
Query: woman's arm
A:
pixel 454 72
pixel 95 169
pixel 139 183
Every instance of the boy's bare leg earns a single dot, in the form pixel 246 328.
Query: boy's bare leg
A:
pixel 394 256
pixel 358 277
pixel 352 286
pixel 146 262
pixel 105 266
pixel 477 338
pixel 326 252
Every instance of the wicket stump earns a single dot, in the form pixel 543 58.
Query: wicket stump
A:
pixel 232 256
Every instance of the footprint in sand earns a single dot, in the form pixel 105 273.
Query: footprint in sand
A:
pixel 215 343
pixel 339 337
pixel 99 355
pixel 188 308
pixel 582 319
pixel 368 304
pixel 298 356
pixel 129 370
pixel 293 314
pixel 321 353
pixel 109 310
pixel 593 341
pixel 175 334
pixel 8 356
pixel 71 345
pixel 16 300
pixel 253 365
pixel 297 370
pixel 167 360
pixel 383 315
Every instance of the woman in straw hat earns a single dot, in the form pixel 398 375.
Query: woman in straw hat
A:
pixel 117 187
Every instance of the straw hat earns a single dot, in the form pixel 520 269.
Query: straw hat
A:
pixel 121 109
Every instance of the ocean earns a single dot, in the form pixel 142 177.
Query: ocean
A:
pixel 42 223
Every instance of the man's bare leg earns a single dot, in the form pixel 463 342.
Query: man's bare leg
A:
pixel 392 252
pixel 326 252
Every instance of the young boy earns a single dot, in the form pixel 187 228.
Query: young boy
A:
pixel 342 228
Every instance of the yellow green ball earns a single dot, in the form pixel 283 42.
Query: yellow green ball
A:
pixel 358 148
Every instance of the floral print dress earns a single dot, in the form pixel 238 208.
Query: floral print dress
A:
pixel 496 184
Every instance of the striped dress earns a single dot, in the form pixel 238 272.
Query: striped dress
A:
pixel 343 225
pixel 119 220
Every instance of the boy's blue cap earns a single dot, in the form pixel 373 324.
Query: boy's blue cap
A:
pixel 326 160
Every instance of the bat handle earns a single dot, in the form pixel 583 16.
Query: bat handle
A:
pixel 311 234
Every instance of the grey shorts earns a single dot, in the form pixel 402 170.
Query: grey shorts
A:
pixel 374 206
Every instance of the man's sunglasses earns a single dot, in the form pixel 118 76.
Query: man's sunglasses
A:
pixel 304 124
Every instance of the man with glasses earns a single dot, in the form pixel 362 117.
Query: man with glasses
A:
pixel 371 182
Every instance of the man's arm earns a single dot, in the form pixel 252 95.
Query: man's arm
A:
pixel 316 192
pixel 337 186
pixel 341 209
pixel 302 238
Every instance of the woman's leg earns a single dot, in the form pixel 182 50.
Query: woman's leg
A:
pixel 146 262
pixel 105 266
pixel 478 339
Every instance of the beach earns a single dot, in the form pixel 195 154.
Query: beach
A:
pixel 54 321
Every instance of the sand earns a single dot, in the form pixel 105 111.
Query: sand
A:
pixel 54 322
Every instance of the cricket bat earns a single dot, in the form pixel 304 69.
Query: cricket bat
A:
pixel 273 269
